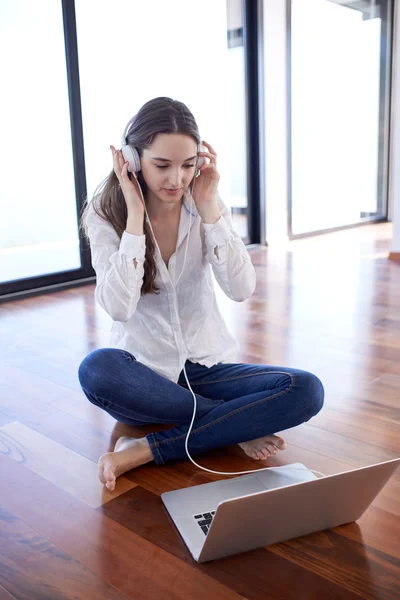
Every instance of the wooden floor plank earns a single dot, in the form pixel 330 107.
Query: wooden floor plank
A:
pixel 5 595
pixel 370 415
pixel 4 419
pixel 70 471
pixel 338 446
pixel 77 434
pixel 342 561
pixel 377 529
pixel 32 568
pixel 367 424
pixel 41 391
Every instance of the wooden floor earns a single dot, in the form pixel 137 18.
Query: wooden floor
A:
pixel 330 305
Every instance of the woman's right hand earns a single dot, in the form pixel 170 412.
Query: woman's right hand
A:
pixel 130 189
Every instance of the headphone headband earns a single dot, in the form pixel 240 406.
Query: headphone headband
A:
pixel 123 139
pixel 132 155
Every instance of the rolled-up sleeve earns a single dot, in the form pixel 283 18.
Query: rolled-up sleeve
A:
pixel 229 258
pixel 118 280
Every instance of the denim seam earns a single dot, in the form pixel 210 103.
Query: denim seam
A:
pixel 233 378
pixel 154 445
pixel 231 414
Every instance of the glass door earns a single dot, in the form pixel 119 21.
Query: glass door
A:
pixel 39 228
pixel 178 50
pixel 340 66
pixel 236 117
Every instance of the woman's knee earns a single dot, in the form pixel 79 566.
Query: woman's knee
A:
pixel 94 366
pixel 313 393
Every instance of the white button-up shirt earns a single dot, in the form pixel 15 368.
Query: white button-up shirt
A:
pixel 164 330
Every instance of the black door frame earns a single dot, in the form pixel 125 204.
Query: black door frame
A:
pixel 255 125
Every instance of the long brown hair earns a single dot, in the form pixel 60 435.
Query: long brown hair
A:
pixel 160 115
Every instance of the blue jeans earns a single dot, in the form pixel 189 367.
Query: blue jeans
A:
pixel 235 402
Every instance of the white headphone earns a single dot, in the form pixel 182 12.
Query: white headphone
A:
pixel 132 155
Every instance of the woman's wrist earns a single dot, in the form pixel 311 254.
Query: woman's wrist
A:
pixel 209 213
pixel 134 224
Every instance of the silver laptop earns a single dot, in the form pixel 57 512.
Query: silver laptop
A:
pixel 251 511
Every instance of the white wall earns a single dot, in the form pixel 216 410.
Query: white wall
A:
pixel 394 176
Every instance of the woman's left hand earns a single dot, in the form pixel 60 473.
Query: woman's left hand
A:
pixel 205 187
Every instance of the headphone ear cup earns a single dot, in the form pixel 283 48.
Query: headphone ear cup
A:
pixel 200 162
pixel 200 159
pixel 132 156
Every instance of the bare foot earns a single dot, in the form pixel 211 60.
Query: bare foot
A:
pixel 264 447
pixel 128 454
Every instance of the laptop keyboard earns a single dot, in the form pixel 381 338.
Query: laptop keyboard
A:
pixel 204 520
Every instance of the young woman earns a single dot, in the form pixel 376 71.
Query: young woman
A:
pixel 166 317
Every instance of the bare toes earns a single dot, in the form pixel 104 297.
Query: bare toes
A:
pixel 279 442
pixel 110 485
pixel 101 470
pixel 109 476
